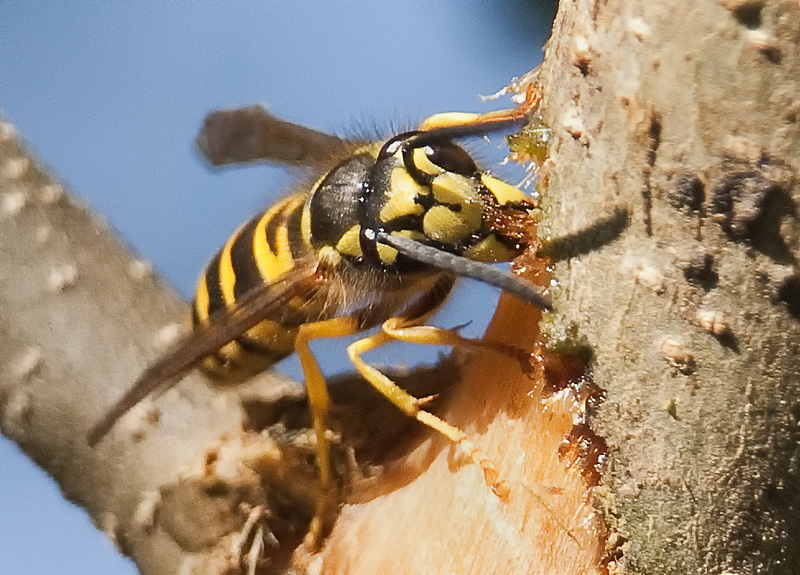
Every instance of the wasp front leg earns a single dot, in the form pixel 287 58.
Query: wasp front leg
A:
pixel 405 330
pixel 409 331
pixel 319 402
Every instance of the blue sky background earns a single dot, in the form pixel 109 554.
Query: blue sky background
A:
pixel 111 95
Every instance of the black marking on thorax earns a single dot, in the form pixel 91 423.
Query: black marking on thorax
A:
pixel 334 204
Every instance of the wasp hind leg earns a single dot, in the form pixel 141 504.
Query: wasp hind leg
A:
pixel 319 402
pixel 409 331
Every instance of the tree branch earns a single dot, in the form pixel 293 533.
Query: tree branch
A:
pixel 684 114
pixel 81 316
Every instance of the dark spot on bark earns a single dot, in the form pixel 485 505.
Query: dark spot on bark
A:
pixel 688 193
pixel 772 53
pixel 789 293
pixel 749 15
pixel 700 269
pixel 728 339
pixel 217 489
pixel 654 134
pixel 795 411
pixel 752 208
pixel 655 137
pixel 774 494
pixel 687 366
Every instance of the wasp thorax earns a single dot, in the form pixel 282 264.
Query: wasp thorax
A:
pixel 334 204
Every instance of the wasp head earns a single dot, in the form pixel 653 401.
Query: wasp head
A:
pixel 429 189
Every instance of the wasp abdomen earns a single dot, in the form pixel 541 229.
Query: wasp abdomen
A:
pixel 260 251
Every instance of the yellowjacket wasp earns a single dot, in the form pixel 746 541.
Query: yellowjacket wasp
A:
pixel 379 239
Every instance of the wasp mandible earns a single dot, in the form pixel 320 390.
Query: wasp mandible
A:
pixel 379 239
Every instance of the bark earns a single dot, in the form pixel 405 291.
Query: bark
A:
pixel 684 115
pixel 80 316
pixel 669 196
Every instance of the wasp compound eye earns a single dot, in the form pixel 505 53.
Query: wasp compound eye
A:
pixel 451 158
pixel 392 145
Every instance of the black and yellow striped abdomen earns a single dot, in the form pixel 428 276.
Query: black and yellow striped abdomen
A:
pixel 258 253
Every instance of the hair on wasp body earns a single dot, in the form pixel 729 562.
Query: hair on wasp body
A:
pixel 378 240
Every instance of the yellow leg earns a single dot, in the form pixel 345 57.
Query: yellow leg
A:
pixel 409 331
pixel 408 403
pixel 319 401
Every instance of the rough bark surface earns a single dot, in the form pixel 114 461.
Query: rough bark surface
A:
pixel 80 315
pixel 684 116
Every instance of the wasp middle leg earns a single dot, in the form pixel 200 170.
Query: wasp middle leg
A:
pixel 409 330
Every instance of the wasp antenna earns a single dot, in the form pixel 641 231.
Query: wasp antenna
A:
pixel 468 268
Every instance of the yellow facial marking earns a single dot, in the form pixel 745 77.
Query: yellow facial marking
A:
pixel 504 192
pixel 349 243
pixel 387 254
pixel 489 250
pixel 444 225
pixel 454 189
pixel 400 196
pixel 447 119
pixel 422 162
pixel 411 235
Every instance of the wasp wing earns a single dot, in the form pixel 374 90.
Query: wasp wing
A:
pixel 255 306
pixel 252 134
